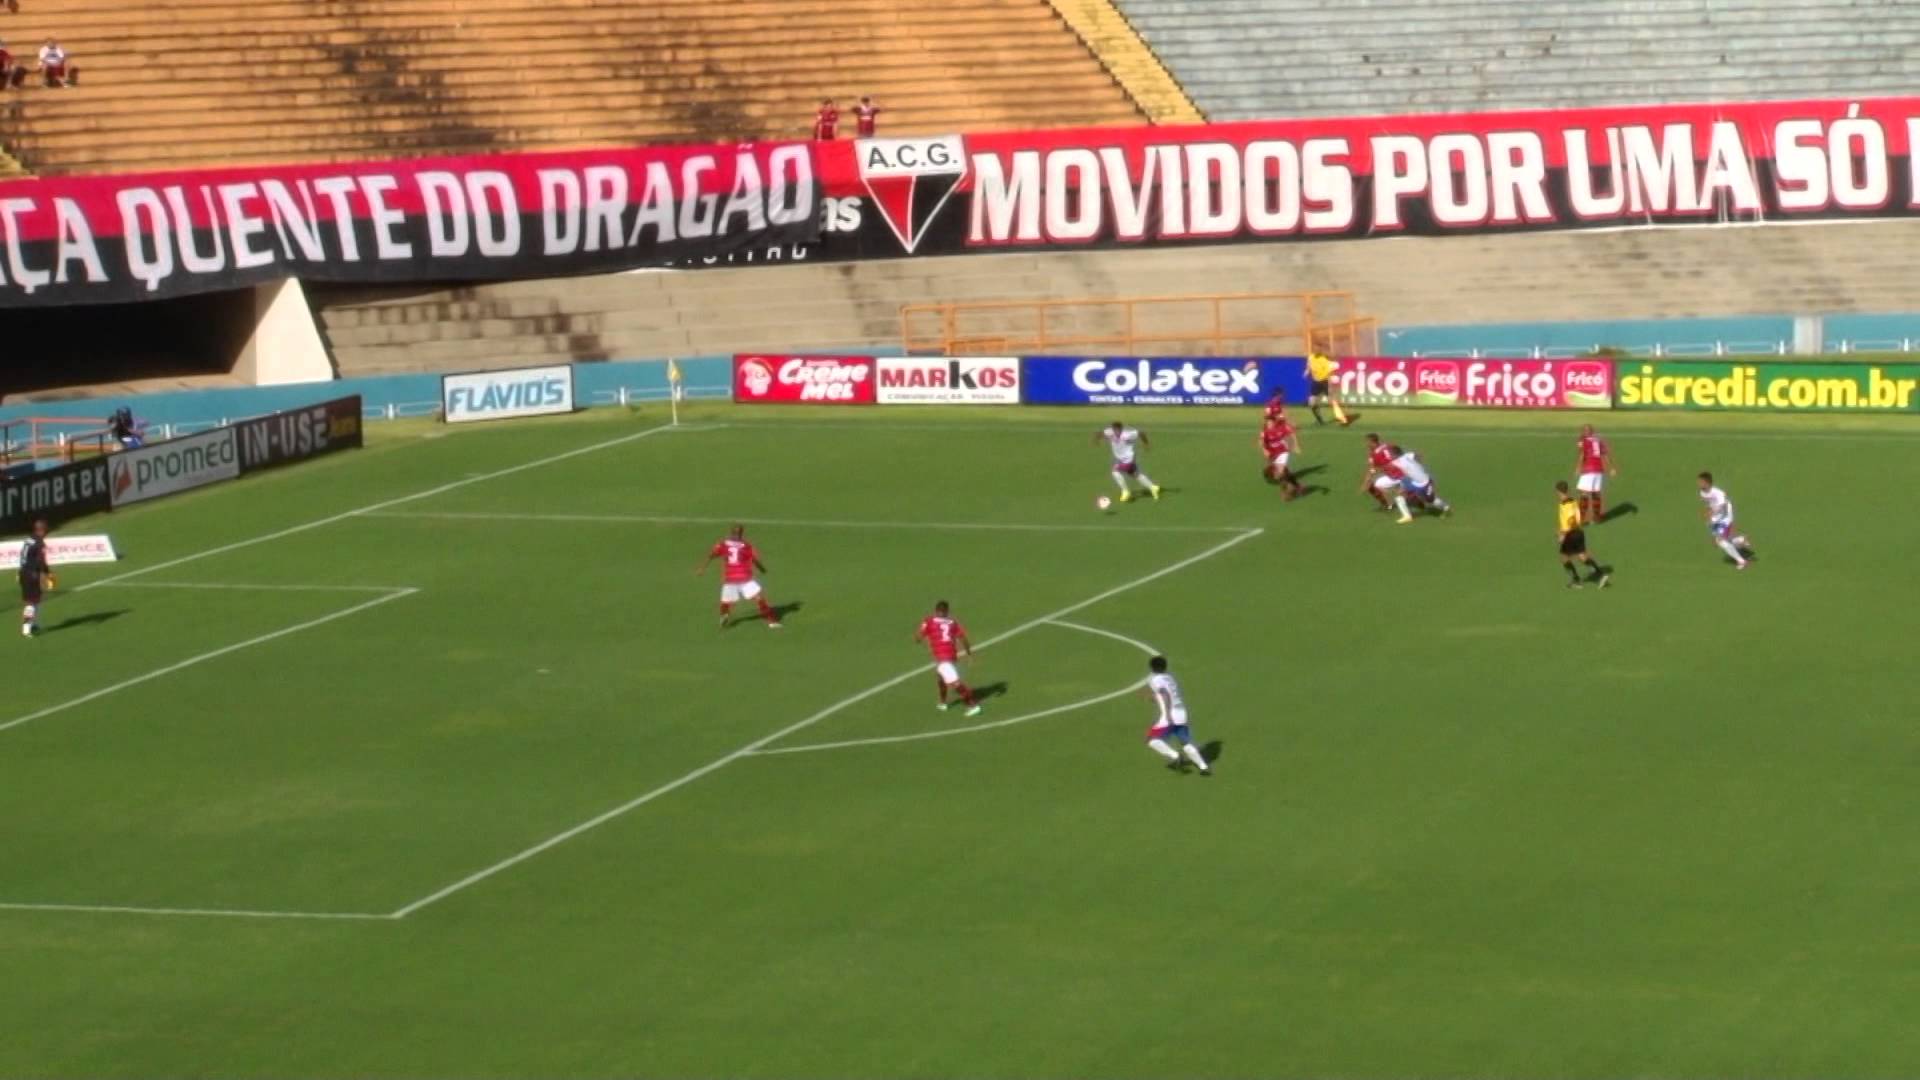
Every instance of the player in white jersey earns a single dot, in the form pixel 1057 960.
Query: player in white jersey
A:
pixel 1718 510
pixel 1416 482
pixel 1164 689
pixel 1125 443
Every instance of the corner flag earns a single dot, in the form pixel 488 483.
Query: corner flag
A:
pixel 674 381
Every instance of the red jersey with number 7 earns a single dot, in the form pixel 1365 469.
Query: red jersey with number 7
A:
pixel 943 634
pixel 739 557
pixel 1381 458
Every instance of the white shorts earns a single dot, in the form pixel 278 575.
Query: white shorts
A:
pixel 1592 482
pixel 947 672
pixel 1386 483
pixel 1175 719
pixel 1280 459
pixel 735 591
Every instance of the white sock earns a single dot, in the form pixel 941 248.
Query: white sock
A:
pixel 1400 503
pixel 1159 746
pixel 1729 547
pixel 1194 755
pixel 1146 482
pixel 1120 481
pixel 1740 541
pixel 1441 505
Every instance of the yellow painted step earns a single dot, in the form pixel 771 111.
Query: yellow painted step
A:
pixel 1128 59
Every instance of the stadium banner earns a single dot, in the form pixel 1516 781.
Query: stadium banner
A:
pixel 111 239
pixel 804 380
pixel 65 550
pixel 956 380
pixel 1769 387
pixel 1355 177
pixel 58 494
pixel 294 435
pixel 173 466
pixel 504 395
pixel 1480 384
pixel 1161 380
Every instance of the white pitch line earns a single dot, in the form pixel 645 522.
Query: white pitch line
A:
pixel 797 523
pixel 454 485
pixel 227 913
pixel 970 729
pixel 753 747
pixel 203 658
pixel 242 587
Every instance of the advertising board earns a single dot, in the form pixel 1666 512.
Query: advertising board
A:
pixel 504 395
pixel 954 380
pixel 1441 382
pixel 1161 380
pixel 804 380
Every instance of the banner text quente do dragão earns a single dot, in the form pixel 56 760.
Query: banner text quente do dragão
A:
pixel 118 238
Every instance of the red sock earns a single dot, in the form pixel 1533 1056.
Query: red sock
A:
pixel 725 610
pixel 1599 507
pixel 966 695
pixel 766 612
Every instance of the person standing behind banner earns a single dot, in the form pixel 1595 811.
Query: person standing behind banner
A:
pixel 866 117
pixel 131 434
pixel 1320 369
pixel 36 577
pixel 55 68
pixel 826 121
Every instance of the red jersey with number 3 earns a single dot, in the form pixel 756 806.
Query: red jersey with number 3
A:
pixel 943 634
pixel 1593 454
pixel 1381 458
pixel 739 556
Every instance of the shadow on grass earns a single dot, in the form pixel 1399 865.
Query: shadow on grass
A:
pixel 92 618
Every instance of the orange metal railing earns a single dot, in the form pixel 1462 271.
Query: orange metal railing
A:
pixel 1217 324
pixel 32 438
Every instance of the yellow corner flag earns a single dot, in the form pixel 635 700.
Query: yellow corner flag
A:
pixel 673 380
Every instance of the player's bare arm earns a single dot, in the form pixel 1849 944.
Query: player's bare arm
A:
pixel 701 570
pixel 758 565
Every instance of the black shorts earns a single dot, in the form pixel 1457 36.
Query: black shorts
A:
pixel 1319 387
pixel 30 589
pixel 1574 543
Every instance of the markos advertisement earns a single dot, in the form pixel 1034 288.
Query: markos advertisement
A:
pixel 1151 380
pixel 503 395
pixel 949 380
pixel 1482 384
pixel 1782 387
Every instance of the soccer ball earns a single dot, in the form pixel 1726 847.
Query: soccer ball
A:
pixel 1103 502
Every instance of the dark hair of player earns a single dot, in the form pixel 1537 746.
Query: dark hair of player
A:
pixel 738 531
pixel 1560 486
pixel 1707 476
pixel 1157 665
pixel 940 608
pixel 1119 425
pixel 1372 438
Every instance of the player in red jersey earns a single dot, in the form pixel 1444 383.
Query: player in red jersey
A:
pixel 866 117
pixel 740 560
pixel 1277 408
pixel 1596 464
pixel 826 121
pixel 947 639
pixel 1383 479
pixel 1278 443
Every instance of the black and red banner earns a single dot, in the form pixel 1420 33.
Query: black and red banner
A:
pixel 108 239
pixel 1349 178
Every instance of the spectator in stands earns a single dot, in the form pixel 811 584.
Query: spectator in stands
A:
pixel 55 68
pixel 6 66
pixel 826 120
pixel 131 434
pixel 865 117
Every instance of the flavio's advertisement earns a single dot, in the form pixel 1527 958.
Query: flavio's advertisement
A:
pixel 1161 380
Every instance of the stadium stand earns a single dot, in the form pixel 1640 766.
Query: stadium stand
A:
pixel 1248 59
pixel 201 82
pixel 1417 280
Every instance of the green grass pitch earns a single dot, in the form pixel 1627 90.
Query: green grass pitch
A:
pixel 470 784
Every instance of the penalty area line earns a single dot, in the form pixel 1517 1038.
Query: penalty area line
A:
pixel 795 523
pixel 220 913
pixel 796 727
pixel 212 654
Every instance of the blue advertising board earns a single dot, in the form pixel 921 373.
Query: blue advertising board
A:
pixel 1161 380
